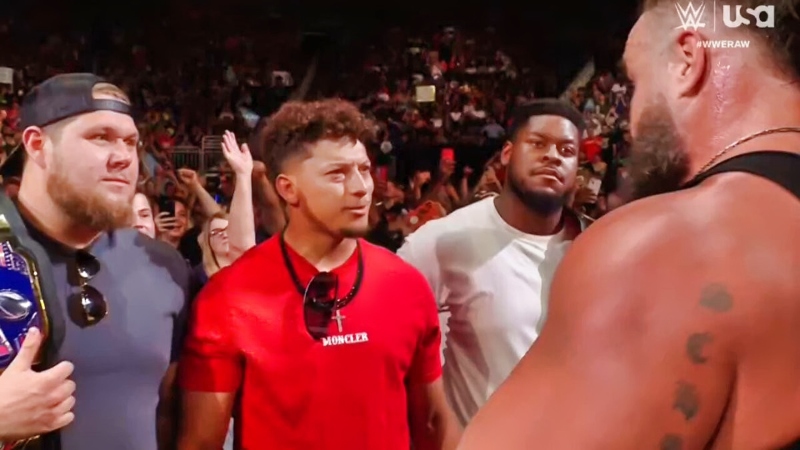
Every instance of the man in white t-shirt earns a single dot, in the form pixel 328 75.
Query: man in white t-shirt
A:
pixel 490 264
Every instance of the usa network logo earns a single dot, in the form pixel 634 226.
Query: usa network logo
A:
pixel 693 17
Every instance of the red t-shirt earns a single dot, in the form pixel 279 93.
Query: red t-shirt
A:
pixel 248 335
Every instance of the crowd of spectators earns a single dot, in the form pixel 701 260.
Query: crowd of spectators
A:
pixel 440 98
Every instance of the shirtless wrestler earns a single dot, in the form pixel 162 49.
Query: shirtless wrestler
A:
pixel 674 321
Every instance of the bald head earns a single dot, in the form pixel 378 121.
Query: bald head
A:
pixel 696 93
pixel 773 28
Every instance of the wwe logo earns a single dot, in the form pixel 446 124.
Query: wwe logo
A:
pixel 690 16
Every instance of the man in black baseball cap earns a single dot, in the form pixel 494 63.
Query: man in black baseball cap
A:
pixel 61 97
pixel 120 296
pixel 87 118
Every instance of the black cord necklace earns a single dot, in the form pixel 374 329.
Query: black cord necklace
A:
pixel 339 303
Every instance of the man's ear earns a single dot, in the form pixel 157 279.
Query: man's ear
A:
pixel 286 188
pixel 505 153
pixel 687 67
pixel 34 139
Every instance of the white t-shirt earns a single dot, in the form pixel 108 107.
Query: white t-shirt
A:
pixel 494 280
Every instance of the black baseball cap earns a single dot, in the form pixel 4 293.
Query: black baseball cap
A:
pixel 55 99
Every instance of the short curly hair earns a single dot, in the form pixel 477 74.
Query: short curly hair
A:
pixel 298 124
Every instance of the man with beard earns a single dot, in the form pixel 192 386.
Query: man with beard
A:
pixel 673 320
pixel 490 264
pixel 321 340
pixel 119 312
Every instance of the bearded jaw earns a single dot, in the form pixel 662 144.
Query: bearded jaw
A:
pixel 654 172
pixel 542 202
pixel 91 208
pixel 659 160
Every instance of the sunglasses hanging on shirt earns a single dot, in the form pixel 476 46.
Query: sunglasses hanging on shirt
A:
pixel 88 306
pixel 321 303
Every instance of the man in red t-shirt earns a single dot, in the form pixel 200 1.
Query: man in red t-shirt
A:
pixel 321 340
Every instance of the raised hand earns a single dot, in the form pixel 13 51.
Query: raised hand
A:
pixel 422 177
pixel 188 176
pixel 33 403
pixel 240 159
pixel 165 222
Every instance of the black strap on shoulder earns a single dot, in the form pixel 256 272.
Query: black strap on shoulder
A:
pixel 782 168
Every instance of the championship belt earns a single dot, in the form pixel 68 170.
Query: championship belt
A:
pixel 21 304
pixel 26 294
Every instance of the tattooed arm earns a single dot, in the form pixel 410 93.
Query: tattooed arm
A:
pixel 636 353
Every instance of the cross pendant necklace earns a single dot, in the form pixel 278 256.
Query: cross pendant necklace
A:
pixel 338 317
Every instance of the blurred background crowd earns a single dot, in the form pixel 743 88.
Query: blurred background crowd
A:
pixel 439 81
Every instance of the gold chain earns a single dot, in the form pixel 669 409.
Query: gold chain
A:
pixel 745 139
